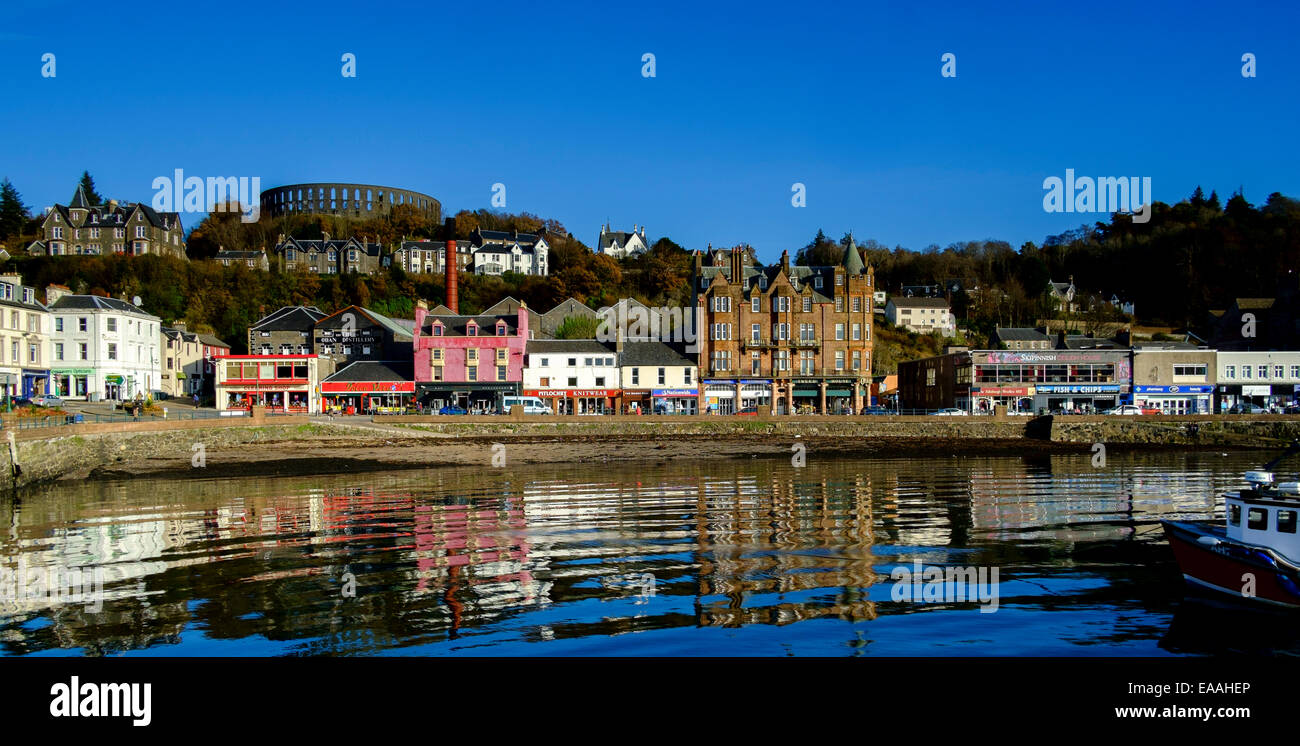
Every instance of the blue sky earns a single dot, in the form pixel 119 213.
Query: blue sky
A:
pixel 748 98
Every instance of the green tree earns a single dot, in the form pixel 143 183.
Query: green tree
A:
pixel 13 213
pixel 88 185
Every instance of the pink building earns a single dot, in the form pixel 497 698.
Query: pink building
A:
pixel 468 361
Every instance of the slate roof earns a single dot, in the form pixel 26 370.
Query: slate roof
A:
pixel 289 318
pixel 1020 334
pixel 652 353
pixel 375 370
pixel 561 346
pixel 455 325
pixel 96 303
pixel 919 302
pixel 401 334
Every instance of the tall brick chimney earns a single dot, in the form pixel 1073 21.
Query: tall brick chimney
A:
pixel 452 271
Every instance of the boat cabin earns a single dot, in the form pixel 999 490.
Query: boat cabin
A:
pixel 1265 514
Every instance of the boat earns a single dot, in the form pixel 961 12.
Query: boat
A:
pixel 1252 555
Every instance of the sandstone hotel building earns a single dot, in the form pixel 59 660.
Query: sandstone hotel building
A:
pixel 793 338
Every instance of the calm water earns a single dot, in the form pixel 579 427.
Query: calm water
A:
pixel 746 558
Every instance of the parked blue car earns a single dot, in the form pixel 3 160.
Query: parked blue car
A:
pixel 452 410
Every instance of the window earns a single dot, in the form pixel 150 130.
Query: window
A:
pixel 1295 371
pixel 573 362
pixel 754 304
pixel 780 331
pixel 1286 521
pixel 81 351
pixel 471 373
pixel 573 382
pixel 857 331
pixel 1234 515
pixel 1229 371
pixel 1257 519
pixel 501 372
pixel 839 304
pixel 471 329
pixel 817 282
pixel 839 360
pixel 780 304
pixel 1279 372
pixel 663 376
pixel 857 359
pixel 753 362
pixel 782 360
pixel 857 304
pixel 587 362
pixel 686 376
pixel 722 304
pixel 81 324
pixel 58 350
pixel 437 372
pixel 58 324
pixel 471 355
pixel 436 356
pixel 755 332
pixel 636 376
pixel 721 360
pixel 112 350
pixel 839 331
pixel 1190 370
pixel 1263 371
pixel 807 304
pixel 722 331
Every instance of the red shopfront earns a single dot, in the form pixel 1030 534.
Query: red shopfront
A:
pixel 577 401
pixel 360 397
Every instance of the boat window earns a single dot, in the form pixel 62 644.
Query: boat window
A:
pixel 1257 519
pixel 1234 514
pixel 1286 521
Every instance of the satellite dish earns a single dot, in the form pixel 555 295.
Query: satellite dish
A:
pixel 135 301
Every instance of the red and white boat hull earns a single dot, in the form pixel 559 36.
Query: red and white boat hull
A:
pixel 1209 559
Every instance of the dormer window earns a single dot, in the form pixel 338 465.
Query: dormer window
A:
pixel 437 329
pixel 501 329
pixel 471 329
pixel 817 282
pixel 762 282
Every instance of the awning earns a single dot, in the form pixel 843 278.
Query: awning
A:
pixel 839 392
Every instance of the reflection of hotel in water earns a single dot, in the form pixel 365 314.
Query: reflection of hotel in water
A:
pixel 762 538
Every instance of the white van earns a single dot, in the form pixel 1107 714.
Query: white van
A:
pixel 531 405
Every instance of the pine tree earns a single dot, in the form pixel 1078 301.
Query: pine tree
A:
pixel 13 213
pixel 88 184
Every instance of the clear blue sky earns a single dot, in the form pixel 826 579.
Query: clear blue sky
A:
pixel 548 98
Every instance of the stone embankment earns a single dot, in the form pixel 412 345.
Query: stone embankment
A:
pixel 269 446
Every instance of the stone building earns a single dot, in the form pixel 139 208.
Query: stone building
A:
pixel 428 257
pixel 796 338
pixel 330 256
pixel 344 200
pixel 498 252
pixel 621 244
pixel 356 334
pixel 80 228
pixel 287 331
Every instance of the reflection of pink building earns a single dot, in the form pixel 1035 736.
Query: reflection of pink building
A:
pixel 468 361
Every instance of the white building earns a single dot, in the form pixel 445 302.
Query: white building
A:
pixel 498 252
pixel 921 315
pixel 574 376
pixel 621 244
pixel 24 339
pixel 102 348
pixel 1263 378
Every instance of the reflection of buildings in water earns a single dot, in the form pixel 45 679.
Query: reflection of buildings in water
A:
pixel 782 539
pixel 1071 500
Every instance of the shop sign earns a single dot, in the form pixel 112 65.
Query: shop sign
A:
pixel 1255 391
pixel 1173 389
pixel 1103 388
pixel 569 393
pixel 676 392
pixel 341 387
pixel 1003 391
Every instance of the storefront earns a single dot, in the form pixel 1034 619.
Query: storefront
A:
pixel 284 383
pixel 35 382
pixel 1015 398
pixel 719 397
pixel 676 401
pixel 636 401
pixel 1081 398
pixel 475 397
pixel 71 383
pixel 577 401
pixel 1181 399
pixel 357 397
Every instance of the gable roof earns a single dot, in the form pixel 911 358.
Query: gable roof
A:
pixel 289 318
pixel 652 353
pixel 96 303
pixel 375 370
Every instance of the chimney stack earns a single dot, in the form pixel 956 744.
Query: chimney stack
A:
pixel 451 272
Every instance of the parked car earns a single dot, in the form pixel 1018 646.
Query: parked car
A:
pixel 47 401
pixel 950 412
pixel 1247 408
pixel 751 411
pixel 1151 410
pixel 449 409
pixel 1291 408
pixel 20 401
pixel 1124 409
pixel 875 410
pixel 531 405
